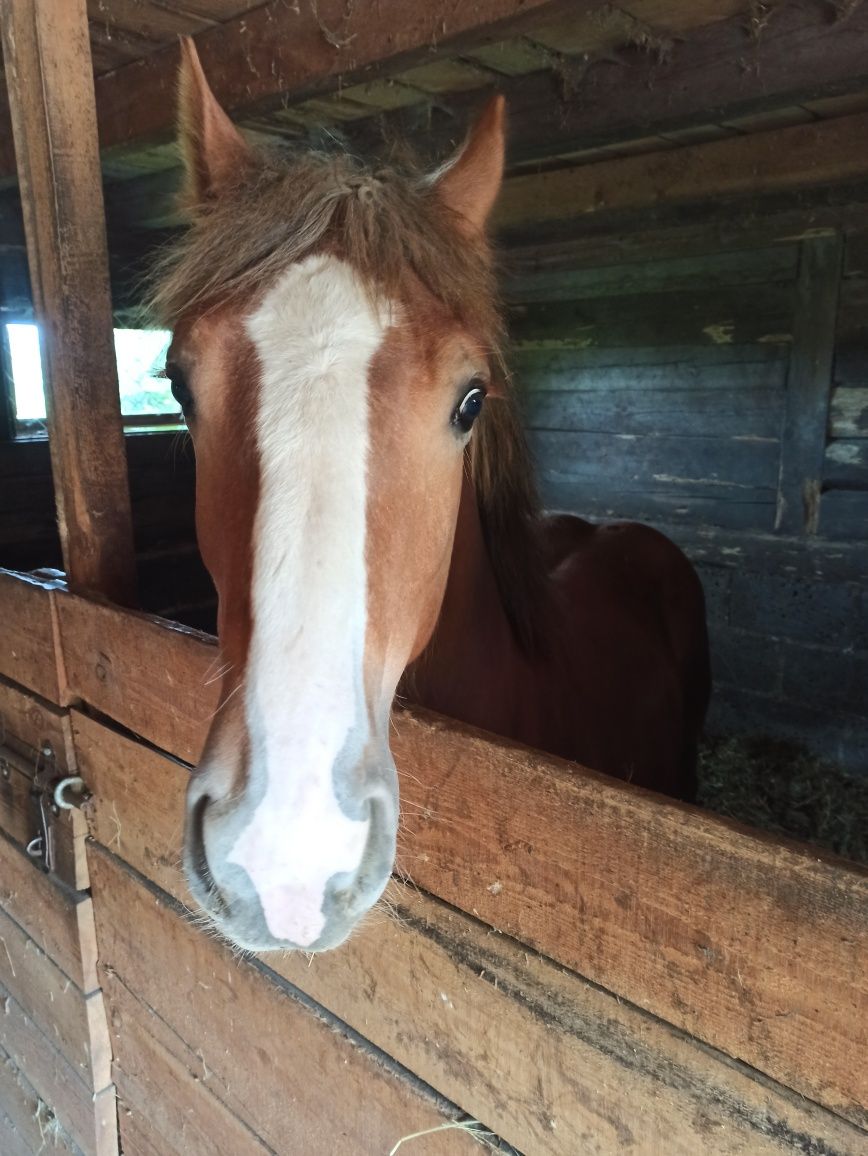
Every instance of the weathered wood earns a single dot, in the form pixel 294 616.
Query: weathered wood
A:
pixel 423 974
pixel 714 270
pixel 31 1125
pixel 844 514
pixel 848 413
pixel 60 921
pixel 31 727
pixel 758 314
pixel 22 820
pixel 811 154
pixel 90 1120
pixel 846 463
pixel 74 1023
pixel 809 386
pixel 152 696
pixel 48 69
pixel 170 1093
pixel 27 638
pixel 750 945
pixel 254 60
pixel 219 1008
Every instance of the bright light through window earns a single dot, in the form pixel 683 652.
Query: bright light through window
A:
pixel 140 355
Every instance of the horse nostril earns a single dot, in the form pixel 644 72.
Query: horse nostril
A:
pixel 198 860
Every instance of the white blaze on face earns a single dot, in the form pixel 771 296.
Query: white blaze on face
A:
pixel 315 334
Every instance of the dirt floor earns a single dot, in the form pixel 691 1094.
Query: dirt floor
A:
pixel 780 787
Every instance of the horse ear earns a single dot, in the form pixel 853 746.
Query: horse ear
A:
pixel 213 150
pixel 470 182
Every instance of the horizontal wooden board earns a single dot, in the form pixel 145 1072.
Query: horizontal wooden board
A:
pixel 74 1023
pixel 90 1120
pixel 419 974
pixel 699 368
pixel 31 1125
pixel 846 463
pixel 219 1008
pixel 59 920
pixel 31 726
pixel 844 514
pixel 139 688
pixel 27 639
pixel 848 413
pixel 709 510
pixel 721 412
pixel 809 154
pixel 712 270
pixel 756 314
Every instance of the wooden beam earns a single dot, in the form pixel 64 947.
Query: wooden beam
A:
pixel 48 68
pixel 827 152
pixel 809 386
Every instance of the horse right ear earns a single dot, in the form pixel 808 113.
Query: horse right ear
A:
pixel 213 149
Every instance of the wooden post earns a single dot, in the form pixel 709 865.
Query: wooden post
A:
pixel 809 386
pixel 50 81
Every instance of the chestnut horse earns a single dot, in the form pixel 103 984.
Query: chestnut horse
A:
pixel 365 505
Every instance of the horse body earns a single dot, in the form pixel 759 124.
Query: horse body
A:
pixel 619 680
pixel 361 511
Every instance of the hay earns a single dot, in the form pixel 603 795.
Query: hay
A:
pixel 780 787
pixel 472 1127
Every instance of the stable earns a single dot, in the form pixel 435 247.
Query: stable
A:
pixel 563 962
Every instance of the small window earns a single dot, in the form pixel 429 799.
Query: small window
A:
pixel 146 397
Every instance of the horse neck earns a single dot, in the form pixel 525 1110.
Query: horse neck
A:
pixel 473 644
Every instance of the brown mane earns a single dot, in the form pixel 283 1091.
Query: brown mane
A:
pixel 385 223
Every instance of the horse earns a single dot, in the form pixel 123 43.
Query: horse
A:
pixel 366 507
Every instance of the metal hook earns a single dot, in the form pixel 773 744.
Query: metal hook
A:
pixel 71 782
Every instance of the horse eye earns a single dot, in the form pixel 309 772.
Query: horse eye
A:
pixel 181 391
pixel 469 409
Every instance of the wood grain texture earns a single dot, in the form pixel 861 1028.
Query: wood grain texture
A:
pixel 89 1119
pixel 511 1037
pixel 753 946
pixel 27 638
pixel 848 412
pixel 811 154
pixel 29 725
pixel 219 1008
pixel 60 921
pixel 48 68
pixel 809 386
pixel 29 1123
pixel 74 1023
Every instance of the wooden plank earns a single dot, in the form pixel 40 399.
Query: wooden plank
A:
pixel 254 60
pixel 611 1076
pixel 846 463
pixel 848 413
pixel 714 270
pixel 739 412
pixel 844 514
pixel 811 154
pixel 809 386
pixel 60 921
pixel 32 1126
pixel 48 67
pixel 27 640
pixel 747 943
pixel 183 1117
pixel 74 1023
pixel 34 729
pixel 758 314
pixel 219 1008
pixel 174 708
pixel 21 819
pixel 90 1120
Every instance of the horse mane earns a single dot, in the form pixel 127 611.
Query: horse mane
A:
pixel 384 223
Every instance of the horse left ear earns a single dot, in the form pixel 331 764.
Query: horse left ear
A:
pixel 471 181
pixel 213 149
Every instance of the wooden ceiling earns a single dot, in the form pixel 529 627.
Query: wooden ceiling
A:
pixel 586 81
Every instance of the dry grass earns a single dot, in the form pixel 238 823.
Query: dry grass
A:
pixel 779 787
